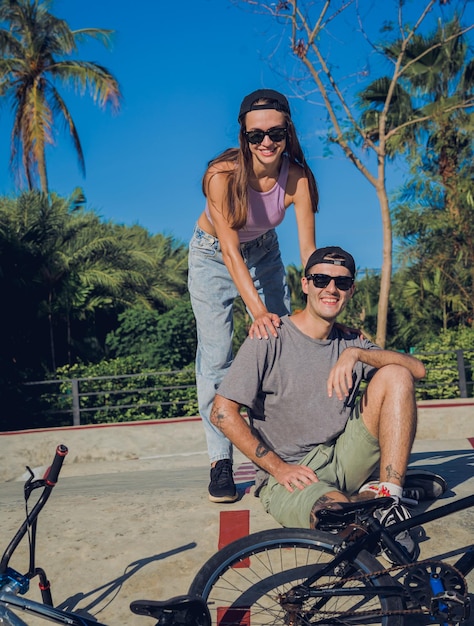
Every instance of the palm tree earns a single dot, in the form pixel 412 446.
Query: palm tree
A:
pixel 293 276
pixel 34 50
pixel 436 92
pixel 434 216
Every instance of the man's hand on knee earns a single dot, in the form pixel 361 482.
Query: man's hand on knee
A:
pixel 295 476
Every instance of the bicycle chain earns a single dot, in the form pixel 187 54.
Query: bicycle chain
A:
pixel 383 572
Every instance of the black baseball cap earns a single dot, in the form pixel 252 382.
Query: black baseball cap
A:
pixel 334 255
pixel 277 101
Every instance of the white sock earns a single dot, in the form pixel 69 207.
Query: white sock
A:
pixel 390 489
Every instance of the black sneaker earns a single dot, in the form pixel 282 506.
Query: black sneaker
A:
pixel 222 486
pixel 394 514
pixel 423 485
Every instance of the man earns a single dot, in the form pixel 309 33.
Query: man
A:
pixel 314 441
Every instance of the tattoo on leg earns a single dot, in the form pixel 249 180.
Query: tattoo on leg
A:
pixel 324 502
pixel 261 451
pixel 392 473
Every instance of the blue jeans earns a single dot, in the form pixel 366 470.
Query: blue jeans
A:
pixel 213 292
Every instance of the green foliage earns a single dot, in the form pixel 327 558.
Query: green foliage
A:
pixel 436 248
pixel 440 360
pixel 293 276
pixel 67 276
pixel 429 102
pixel 161 340
pixel 124 390
pixel 242 322
pixel 361 311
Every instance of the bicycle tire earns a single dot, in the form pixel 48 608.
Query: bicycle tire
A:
pixel 242 581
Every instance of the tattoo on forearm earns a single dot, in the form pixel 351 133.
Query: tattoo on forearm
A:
pixel 217 417
pixel 261 451
pixel 392 473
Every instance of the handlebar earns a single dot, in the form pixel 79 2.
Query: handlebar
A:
pixel 52 473
pixel 47 483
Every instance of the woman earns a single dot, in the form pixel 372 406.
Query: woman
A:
pixel 234 250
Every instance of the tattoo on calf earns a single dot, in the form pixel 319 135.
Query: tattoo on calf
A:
pixel 324 502
pixel 261 451
pixel 392 473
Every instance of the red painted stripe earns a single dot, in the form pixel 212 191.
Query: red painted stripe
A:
pixel 245 470
pixel 233 525
pixel 171 420
pixel 233 617
pixel 471 441
pixel 443 405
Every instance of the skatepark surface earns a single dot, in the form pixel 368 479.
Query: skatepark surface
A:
pixel 130 518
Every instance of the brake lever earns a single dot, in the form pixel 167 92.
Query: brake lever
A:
pixel 31 484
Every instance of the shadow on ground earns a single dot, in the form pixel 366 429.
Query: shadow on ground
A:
pixel 108 591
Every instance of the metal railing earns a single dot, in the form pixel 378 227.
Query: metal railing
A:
pixel 125 397
pixel 161 395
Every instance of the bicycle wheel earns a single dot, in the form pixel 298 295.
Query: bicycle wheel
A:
pixel 243 583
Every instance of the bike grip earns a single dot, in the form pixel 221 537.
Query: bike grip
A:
pixel 52 473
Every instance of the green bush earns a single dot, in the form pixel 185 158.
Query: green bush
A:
pixel 439 357
pixel 121 390
pixel 124 389
pixel 161 340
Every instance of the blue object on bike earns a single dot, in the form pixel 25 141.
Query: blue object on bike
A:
pixel 438 587
pixel 14 582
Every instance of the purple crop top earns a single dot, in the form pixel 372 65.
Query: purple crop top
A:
pixel 266 209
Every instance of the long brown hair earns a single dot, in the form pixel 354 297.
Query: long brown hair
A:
pixel 239 172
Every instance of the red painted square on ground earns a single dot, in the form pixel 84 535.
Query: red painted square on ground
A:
pixel 233 525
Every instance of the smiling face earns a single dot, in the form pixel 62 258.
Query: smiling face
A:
pixel 267 151
pixel 327 302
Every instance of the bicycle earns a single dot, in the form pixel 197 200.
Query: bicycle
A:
pixel 330 576
pixel 184 610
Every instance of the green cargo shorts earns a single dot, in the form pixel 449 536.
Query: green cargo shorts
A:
pixel 342 465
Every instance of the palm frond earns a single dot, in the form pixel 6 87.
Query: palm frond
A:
pixel 89 77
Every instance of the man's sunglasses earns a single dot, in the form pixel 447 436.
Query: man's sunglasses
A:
pixel 344 283
pixel 257 136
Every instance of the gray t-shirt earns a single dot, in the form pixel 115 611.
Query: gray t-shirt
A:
pixel 282 382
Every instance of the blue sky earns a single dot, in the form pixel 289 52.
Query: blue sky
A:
pixel 184 67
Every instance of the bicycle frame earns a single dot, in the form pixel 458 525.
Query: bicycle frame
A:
pixel 366 542
pixel 464 565
pixel 39 609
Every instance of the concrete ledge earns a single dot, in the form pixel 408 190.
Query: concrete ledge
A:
pixel 161 441
pixel 181 442
pixel 446 419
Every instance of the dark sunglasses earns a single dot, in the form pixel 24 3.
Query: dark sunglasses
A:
pixel 257 136
pixel 344 283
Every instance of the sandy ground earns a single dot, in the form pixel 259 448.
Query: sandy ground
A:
pixel 130 517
